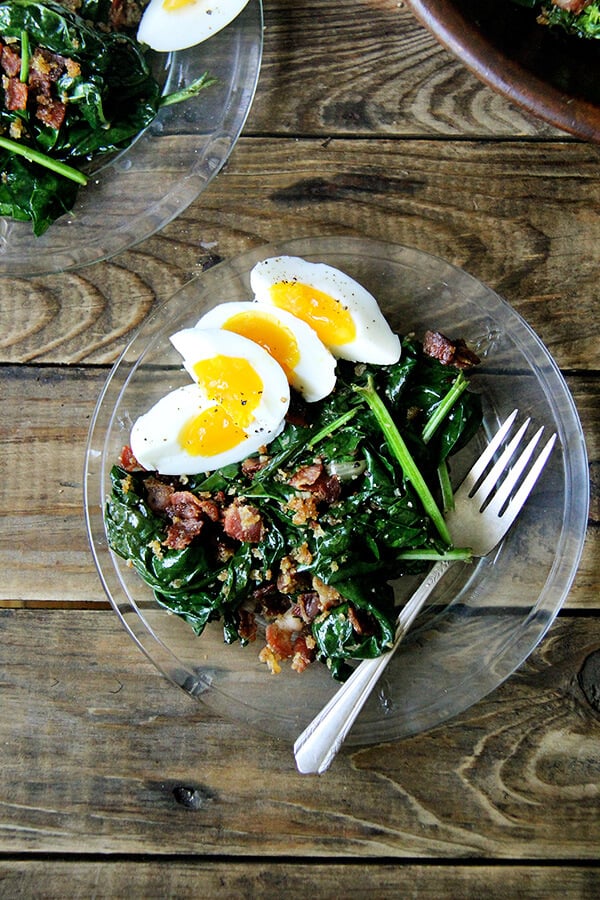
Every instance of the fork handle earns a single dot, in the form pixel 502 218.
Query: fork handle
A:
pixel 320 741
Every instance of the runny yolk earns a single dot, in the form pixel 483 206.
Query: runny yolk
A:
pixel 210 432
pixel 329 318
pixel 170 5
pixel 276 339
pixel 236 389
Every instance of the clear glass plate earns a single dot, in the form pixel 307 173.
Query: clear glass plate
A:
pixel 484 619
pixel 168 166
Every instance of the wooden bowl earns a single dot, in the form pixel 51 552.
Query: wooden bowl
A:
pixel 545 71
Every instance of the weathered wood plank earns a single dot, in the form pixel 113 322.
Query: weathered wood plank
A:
pixel 516 216
pixel 98 747
pixel 183 878
pixel 44 554
pixel 368 66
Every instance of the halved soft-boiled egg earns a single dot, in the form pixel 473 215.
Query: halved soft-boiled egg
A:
pixel 307 363
pixel 236 405
pixel 346 317
pixel 177 24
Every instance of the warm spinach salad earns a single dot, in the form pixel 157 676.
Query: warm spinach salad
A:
pixel 579 17
pixel 308 537
pixel 70 92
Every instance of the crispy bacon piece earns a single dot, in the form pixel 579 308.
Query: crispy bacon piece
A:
pixel 308 606
pixel 128 461
pixel 269 601
pixel 304 652
pixel 10 61
pixel 305 478
pixel 189 513
pixel 247 626
pixel 328 595
pixel 15 94
pixel 253 464
pixel 314 478
pixel 243 523
pixel 280 641
pixel 158 494
pixel 50 112
pixel 361 621
pixel 450 353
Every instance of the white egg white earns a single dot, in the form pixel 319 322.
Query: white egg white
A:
pixel 174 28
pixel 313 375
pixel 155 443
pixel 374 340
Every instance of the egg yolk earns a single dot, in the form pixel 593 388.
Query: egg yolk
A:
pixel 278 340
pixel 329 318
pixel 170 5
pixel 233 383
pixel 210 432
pixel 236 388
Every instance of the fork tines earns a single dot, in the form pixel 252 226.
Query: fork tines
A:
pixel 499 498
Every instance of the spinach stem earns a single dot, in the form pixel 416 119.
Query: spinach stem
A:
pixel 445 486
pixel 464 554
pixel 42 160
pixel 456 553
pixel 333 426
pixel 190 91
pixel 444 407
pixel 25 56
pixel 402 454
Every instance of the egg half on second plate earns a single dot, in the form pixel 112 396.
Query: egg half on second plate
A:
pixel 177 24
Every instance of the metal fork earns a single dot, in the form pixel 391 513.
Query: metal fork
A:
pixel 483 512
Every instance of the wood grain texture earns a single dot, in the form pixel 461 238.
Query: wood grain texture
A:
pixel 104 756
pixel 44 553
pixel 523 221
pixel 184 878
pixel 115 783
pixel 367 66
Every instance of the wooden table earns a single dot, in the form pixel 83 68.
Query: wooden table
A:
pixel 362 125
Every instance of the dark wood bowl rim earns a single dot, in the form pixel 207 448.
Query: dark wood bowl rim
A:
pixel 462 38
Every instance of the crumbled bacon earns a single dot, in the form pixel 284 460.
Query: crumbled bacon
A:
pixel 243 523
pixel 39 94
pixel 305 477
pixel 280 641
pixel 51 112
pixel 128 461
pixel 304 652
pixel 314 478
pixel 253 464
pixel 308 606
pixel 328 595
pixel 247 626
pixel 361 621
pixel 269 601
pixel 158 494
pixel 450 353
pixel 10 61
pixel 15 93
pixel 189 514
